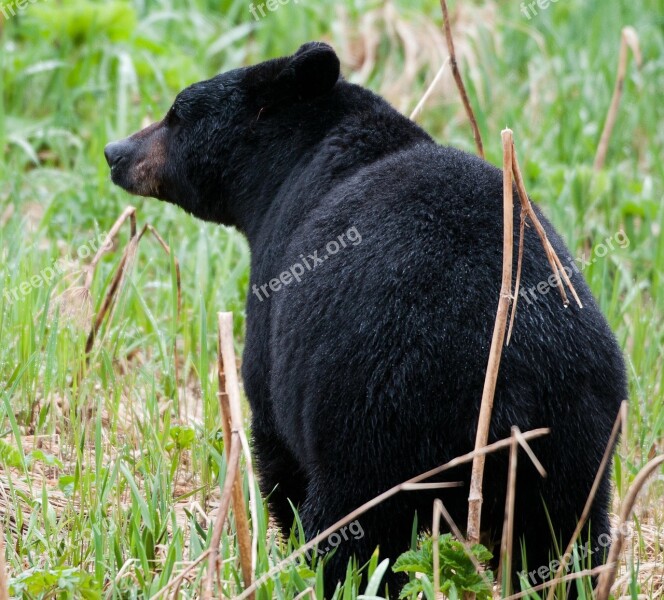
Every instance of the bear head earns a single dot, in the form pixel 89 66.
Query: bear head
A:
pixel 225 139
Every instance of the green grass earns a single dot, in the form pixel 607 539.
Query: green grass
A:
pixel 101 475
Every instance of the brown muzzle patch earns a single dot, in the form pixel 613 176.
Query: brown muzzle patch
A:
pixel 138 162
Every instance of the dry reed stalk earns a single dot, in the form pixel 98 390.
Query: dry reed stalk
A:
pixel 232 470
pixel 127 213
pixel 506 543
pixel 530 435
pixel 253 497
pixel 441 485
pixel 556 265
pixel 77 300
pixel 435 538
pixel 486 407
pixel 628 39
pixel 607 578
pixel 459 80
pixel 178 579
pixel 231 418
pixel 178 285
pixel 564 563
pixel 123 268
pixel 4 586
pixel 528 450
pixel 554 261
pixel 128 564
pixel 420 105
pixel 517 282
pixel 554 582
pixel 116 284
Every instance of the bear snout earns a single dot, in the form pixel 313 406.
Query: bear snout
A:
pixel 137 162
pixel 119 156
pixel 116 152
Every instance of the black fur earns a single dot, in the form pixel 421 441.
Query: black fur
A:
pixel 370 369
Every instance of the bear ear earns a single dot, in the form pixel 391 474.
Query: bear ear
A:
pixel 312 71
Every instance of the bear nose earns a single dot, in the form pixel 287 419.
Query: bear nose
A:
pixel 114 152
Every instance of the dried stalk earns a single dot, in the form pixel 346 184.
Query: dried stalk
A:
pixel 484 422
pixel 232 470
pixel 116 283
pixel 253 498
pixel 552 257
pixel 435 538
pixel 517 283
pixel 127 213
pixel 78 299
pixel 420 105
pixel 439 485
pixel 554 582
pixel 607 578
pixel 628 39
pixel 459 80
pixel 231 418
pixel 4 586
pixel 176 582
pixel 528 450
pixel 506 543
pixel 591 497
pixel 527 212
pixel 123 268
pixel 178 285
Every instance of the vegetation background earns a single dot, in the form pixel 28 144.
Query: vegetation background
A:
pixel 109 482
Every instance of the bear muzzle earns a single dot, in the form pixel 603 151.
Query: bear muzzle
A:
pixel 137 162
pixel 120 157
pixel 115 152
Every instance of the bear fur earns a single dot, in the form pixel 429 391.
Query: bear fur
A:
pixel 366 367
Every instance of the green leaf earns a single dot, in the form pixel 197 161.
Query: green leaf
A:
pixel 457 571
pixel 411 561
pixel 39 456
pixel 376 578
pixel 10 455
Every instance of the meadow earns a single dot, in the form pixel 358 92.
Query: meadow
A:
pixel 111 464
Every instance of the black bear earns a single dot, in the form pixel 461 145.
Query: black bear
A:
pixel 375 271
